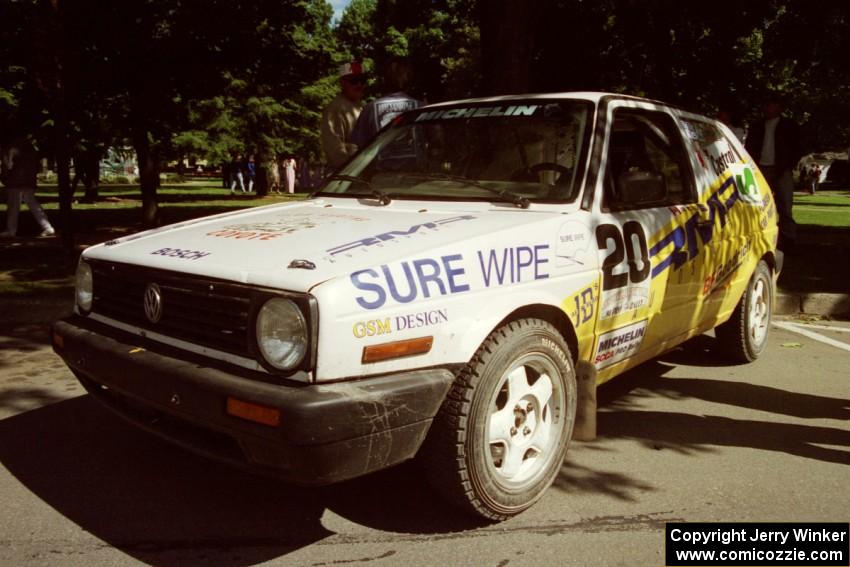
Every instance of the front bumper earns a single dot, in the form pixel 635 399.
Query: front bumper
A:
pixel 327 432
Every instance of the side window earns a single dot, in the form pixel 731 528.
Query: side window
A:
pixel 716 152
pixel 647 165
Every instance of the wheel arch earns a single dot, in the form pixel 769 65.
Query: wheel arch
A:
pixel 773 260
pixel 551 314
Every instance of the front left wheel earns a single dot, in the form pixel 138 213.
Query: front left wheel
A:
pixel 501 435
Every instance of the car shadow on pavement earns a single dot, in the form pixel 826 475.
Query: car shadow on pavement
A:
pixel 164 506
pixel 620 417
pixel 688 433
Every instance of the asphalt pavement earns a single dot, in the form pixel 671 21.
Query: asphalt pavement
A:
pixel 685 437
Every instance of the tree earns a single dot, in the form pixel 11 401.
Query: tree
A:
pixel 268 98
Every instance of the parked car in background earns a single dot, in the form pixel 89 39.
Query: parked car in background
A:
pixel 438 296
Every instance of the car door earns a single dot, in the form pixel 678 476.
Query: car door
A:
pixel 647 195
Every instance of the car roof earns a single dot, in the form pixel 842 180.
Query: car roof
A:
pixel 592 96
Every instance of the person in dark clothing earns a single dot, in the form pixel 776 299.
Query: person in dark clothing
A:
pixel 18 171
pixel 772 142
pixel 236 177
pixel 250 173
pixel 87 171
pixel 381 111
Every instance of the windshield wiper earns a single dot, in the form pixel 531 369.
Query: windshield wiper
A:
pixel 506 196
pixel 381 197
pixel 351 178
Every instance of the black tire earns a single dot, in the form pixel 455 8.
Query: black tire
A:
pixel 496 445
pixel 744 336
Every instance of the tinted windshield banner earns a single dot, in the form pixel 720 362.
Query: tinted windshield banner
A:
pixel 478 112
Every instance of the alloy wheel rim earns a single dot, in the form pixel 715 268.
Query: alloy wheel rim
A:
pixel 759 312
pixel 525 413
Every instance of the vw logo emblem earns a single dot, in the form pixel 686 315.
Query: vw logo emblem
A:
pixel 153 303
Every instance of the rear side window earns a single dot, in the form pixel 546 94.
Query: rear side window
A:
pixel 647 164
pixel 715 151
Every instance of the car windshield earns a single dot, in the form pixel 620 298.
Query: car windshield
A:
pixel 517 152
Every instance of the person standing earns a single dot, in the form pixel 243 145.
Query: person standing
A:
pixel 251 172
pixel 772 142
pixel 19 171
pixel 380 111
pixel 730 118
pixel 236 177
pixel 273 173
pixel 341 113
pixel 289 167
pixel 814 180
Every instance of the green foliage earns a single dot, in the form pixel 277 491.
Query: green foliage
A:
pixel 206 78
pixel 355 32
pixel 440 38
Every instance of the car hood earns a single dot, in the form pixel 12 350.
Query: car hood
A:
pixel 300 245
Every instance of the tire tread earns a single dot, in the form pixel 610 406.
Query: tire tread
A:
pixel 443 453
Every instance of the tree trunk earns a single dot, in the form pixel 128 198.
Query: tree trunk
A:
pixel 506 45
pixel 52 78
pixel 261 184
pixel 92 165
pixel 66 192
pixel 148 177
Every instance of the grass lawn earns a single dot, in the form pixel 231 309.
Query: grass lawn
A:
pixel 830 208
pixel 33 267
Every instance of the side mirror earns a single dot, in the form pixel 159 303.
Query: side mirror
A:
pixel 640 188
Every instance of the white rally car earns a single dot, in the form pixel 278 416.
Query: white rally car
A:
pixel 438 296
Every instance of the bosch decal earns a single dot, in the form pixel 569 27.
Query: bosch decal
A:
pixel 181 253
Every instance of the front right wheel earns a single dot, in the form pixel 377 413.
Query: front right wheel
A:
pixel 501 435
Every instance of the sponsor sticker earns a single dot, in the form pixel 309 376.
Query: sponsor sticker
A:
pixel 479 112
pixel 723 272
pixel 619 344
pixel 410 280
pixel 283 225
pixel 181 253
pixel 623 300
pixel 421 228
pixel 573 245
pixel 388 325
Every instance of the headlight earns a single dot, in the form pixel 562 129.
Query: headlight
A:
pixel 84 287
pixel 281 333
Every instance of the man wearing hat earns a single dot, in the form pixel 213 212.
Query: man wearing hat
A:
pixel 340 115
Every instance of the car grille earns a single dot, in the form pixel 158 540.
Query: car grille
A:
pixel 206 312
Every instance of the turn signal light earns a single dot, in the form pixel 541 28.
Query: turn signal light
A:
pixel 397 349
pixel 253 412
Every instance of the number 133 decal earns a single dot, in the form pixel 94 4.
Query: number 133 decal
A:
pixel 629 245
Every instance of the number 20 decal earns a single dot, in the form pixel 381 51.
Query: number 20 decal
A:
pixel 625 247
